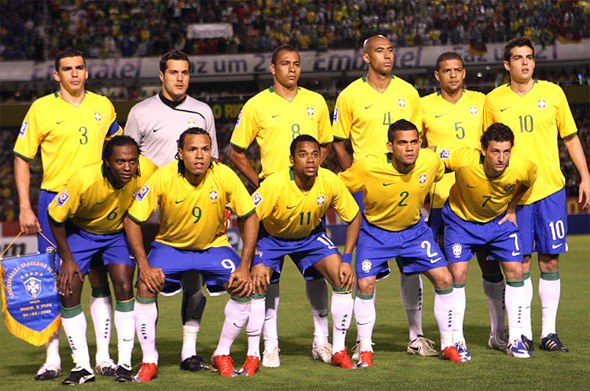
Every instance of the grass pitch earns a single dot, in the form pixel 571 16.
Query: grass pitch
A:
pixel 394 368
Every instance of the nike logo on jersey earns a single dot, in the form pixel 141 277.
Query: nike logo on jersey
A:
pixel 368 107
pixel 276 115
pixel 438 116
pixel 156 129
pixel 291 207
pixel 471 187
pixel 504 109
pixel 179 201
pixel 59 122
pixel 99 203
pixel 553 246
pixel 387 184
pixel 515 253
pixel 435 260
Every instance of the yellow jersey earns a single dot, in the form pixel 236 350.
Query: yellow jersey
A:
pixel 90 201
pixel 289 213
pixel 363 114
pixel 274 122
pixel 536 119
pixel 393 199
pixel 450 126
pixel 474 196
pixel 192 217
pixel 70 137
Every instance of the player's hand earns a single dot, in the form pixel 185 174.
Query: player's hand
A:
pixel 153 278
pixel 28 221
pixel 346 275
pixel 260 278
pixel 67 272
pixel 240 283
pixel 509 216
pixel 584 194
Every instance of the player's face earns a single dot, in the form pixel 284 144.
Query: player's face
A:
pixel 306 160
pixel 405 148
pixel 196 154
pixel 72 75
pixel 496 157
pixel 379 55
pixel 287 70
pixel 175 79
pixel 450 75
pixel 521 65
pixel 123 164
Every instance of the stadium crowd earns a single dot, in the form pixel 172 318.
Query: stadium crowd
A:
pixel 35 30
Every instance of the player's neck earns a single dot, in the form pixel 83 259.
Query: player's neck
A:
pixel 452 97
pixel 284 92
pixel 75 100
pixel 378 81
pixel 521 88
pixel 194 180
pixel 304 184
pixel 402 168
pixel 111 179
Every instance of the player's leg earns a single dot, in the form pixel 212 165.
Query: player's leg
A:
pixel 515 302
pixel 193 305
pixel 317 295
pixel 365 316
pixel 493 285
pixel 459 272
pixel 524 217
pixel 101 311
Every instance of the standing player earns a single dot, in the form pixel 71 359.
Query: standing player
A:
pixel 192 194
pixel 156 123
pixel 395 186
pixel 93 202
pixel 69 124
pixel 291 203
pixel 453 118
pixel 481 216
pixel 364 111
pixel 538 112
pixel 275 117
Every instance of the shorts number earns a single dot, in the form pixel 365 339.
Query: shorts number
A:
pixel 113 215
pixel 526 123
pixel 486 201
pixel 326 240
pixel 228 264
pixel 426 244
pixel 197 214
pixel 557 230
pixel 404 195
pixel 295 130
pixel 515 237
pixel 83 135
pixel 302 218
pixel 460 130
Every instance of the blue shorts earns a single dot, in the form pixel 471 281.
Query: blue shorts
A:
pixel 215 265
pixel 91 250
pixel 45 198
pixel 464 238
pixel 305 252
pixel 414 247
pixel 435 222
pixel 543 225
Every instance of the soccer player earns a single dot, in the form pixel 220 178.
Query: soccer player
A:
pixel 364 111
pixel 291 203
pixel 274 117
pixel 453 118
pixel 538 112
pixel 192 193
pixel 156 123
pixel 70 124
pixel 395 185
pixel 481 216
pixel 87 222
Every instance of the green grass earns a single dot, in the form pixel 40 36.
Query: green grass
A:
pixel 394 368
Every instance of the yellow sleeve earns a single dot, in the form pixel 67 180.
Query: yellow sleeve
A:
pixel 263 199
pixel 115 129
pixel 146 169
pixel 246 128
pixel 342 121
pixel 343 202
pixel 66 204
pixel 416 117
pixel 324 126
pixel 350 177
pixel 488 113
pixel 237 195
pixel 440 172
pixel 29 136
pixel 565 120
pixel 146 200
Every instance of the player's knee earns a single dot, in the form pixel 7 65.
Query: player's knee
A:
pixel 366 286
pixel 443 281
pixel 123 289
pixel 548 262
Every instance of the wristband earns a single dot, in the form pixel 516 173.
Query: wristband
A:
pixel 347 258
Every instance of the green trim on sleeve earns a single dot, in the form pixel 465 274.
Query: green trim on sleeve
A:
pixel 248 214
pixel 134 218
pixel 564 138
pixel 237 146
pixel 30 159
pixel 341 138
pixel 54 220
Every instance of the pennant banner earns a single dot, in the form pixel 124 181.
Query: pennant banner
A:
pixel 30 297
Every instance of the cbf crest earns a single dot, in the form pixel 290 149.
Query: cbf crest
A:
pixel 542 104
pixel 422 179
pixel 97 116
pixel 366 265
pixel 457 250
pixel 321 200
pixel 213 195
pixel 402 103
pixel 310 111
pixel 33 287
pixel 191 123
pixel 473 110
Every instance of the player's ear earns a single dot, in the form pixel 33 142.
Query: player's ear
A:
pixel 390 146
pixel 436 76
pixel 366 57
pixel 56 76
pixel 161 76
pixel 506 66
pixel 272 69
pixel 291 160
pixel 179 154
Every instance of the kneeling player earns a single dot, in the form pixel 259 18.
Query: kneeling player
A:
pixel 290 204
pixel 395 186
pixel 192 193
pixel 95 201
pixel 481 216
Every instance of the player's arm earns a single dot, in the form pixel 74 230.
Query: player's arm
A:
pixel 22 174
pixel 346 271
pixel 153 278
pixel 511 210
pixel 342 156
pixel 69 268
pixel 325 150
pixel 239 159
pixel 240 281
pixel 576 152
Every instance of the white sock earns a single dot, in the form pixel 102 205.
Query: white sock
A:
pixel 527 327
pixel 317 294
pixel 52 350
pixel 459 313
pixel 411 294
pixel 341 309
pixel 515 299
pixel 549 292
pixel 271 334
pixel 443 312
pixel 75 329
pixel 236 316
pixel 101 309
pixel 145 315
pixel 255 324
pixel 495 293
pixel 365 315
pixel 189 339
pixel 125 325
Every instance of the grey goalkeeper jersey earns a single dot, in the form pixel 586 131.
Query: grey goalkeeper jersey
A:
pixel 156 126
